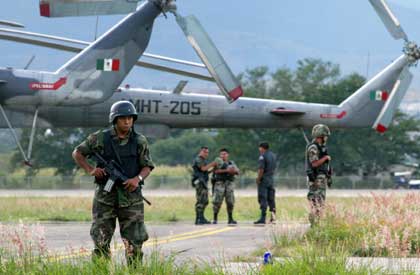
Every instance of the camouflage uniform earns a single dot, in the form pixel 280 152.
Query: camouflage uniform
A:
pixel 317 181
pixel 201 187
pixel 119 204
pixel 223 187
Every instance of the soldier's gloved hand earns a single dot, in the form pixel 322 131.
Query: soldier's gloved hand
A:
pixel 131 184
pixel 98 172
pixel 231 170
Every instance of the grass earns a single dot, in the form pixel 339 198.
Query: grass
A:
pixel 163 209
pixel 154 264
pixel 377 226
pixel 329 260
pixel 309 262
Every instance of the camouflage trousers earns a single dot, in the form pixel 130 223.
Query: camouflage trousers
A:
pixel 316 197
pixel 132 229
pixel 223 190
pixel 267 194
pixel 202 197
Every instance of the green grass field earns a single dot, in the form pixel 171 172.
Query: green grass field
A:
pixel 163 209
pixel 309 262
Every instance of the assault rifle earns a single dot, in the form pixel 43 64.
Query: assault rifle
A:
pixel 115 173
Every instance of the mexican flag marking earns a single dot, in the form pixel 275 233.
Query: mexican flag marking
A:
pixel 378 95
pixel 108 65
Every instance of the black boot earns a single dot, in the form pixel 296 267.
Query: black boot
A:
pixel 197 217
pixel 215 218
pixel 230 218
pixel 203 219
pixel 261 220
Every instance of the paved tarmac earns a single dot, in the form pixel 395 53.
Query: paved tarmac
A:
pixel 185 241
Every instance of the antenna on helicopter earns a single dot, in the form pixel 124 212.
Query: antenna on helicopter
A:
pixel 29 62
pixel 96 28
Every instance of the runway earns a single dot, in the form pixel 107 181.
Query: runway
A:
pixel 184 241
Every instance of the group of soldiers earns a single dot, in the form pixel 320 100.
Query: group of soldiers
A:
pixel 120 146
pixel 223 176
pixel 318 170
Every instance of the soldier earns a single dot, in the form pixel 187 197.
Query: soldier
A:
pixel 199 181
pixel 318 170
pixel 223 178
pixel 124 202
pixel 265 183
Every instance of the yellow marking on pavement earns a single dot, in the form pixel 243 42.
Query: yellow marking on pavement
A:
pixel 198 235
pixel 184 234
pixel 155 241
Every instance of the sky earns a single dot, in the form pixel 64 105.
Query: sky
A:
pixel 410 4
pixel 275 33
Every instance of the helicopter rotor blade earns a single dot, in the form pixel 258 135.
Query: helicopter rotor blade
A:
pixel 390 21
pixel 211 57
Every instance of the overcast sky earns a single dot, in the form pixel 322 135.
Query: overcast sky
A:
pixel 275 33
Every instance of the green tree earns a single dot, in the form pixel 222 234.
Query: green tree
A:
pixel 52 151
pixel 182 149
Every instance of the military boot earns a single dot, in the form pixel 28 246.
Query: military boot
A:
pixel 203 219
pixel 197 217
pixel 230 218
pixel 261 220
pixel 215 218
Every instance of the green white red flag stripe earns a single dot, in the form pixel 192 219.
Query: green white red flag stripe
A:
pixel 379 95
pixel 108 65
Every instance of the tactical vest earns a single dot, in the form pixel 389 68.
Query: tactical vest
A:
pixel 127 157
pixel 323 169
pixel 197 173
pixel 224 176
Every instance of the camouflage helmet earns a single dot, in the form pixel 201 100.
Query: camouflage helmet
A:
pixel 320 130
pixel 122 108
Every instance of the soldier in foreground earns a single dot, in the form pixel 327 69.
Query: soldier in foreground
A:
pixel 122 145
pixel 223 180
pixel 265 183
pixel 318 170
pixel 199 181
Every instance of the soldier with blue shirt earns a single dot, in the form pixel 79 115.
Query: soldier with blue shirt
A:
pixel 265 183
